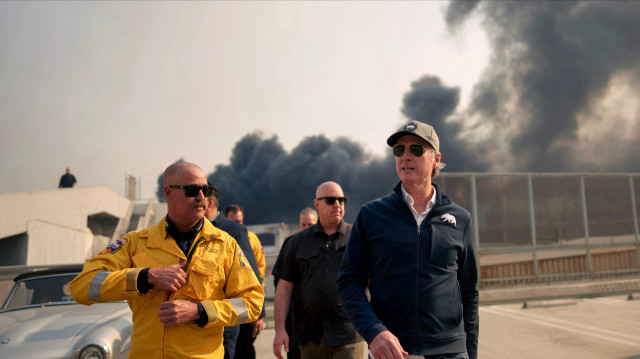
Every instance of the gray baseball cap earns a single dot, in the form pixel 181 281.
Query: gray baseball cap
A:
pixel 418 129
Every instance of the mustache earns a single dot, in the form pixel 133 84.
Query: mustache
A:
pixel 198 204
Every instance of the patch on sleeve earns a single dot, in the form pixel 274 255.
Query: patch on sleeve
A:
pixel 244 262
pixel 114 246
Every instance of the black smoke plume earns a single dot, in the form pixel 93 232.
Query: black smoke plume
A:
pixel 558 95
pixel 559 91
pixel 273 185
pixel 430 101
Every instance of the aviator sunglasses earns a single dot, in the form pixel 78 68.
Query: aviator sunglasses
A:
pixel 416 150
pixel 331 200
pixel 192 190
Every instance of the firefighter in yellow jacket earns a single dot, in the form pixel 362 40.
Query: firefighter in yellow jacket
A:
pixel 183 278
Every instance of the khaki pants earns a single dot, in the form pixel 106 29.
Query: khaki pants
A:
pixel 311 350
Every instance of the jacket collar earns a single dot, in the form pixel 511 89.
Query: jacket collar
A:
pixel 157 234
pixel 172 230
pixel 441 198
pixel 219 218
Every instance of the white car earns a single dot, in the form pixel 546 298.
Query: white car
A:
pixel 40 319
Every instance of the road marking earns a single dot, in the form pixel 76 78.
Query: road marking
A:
pixel 609 300
pixel 564 322
pixel 564 325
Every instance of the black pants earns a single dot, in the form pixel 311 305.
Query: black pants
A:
pixel 244 345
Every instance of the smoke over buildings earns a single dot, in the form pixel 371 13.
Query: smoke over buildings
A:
pixel 560 94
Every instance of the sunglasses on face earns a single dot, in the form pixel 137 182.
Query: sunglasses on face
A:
pixel 416 150
pixel 331 200
pixel 192 190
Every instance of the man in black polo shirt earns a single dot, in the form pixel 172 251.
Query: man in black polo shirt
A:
pixel 308 217
pixel 308 275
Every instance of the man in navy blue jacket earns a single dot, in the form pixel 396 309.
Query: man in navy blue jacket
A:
pixel 239 233
pixel 413 250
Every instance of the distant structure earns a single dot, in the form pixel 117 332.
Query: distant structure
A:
pixel 67 227
pixel 131 187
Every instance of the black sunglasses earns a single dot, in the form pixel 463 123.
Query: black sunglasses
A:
pixel 192 190
pixel 416 150
pixel 331 200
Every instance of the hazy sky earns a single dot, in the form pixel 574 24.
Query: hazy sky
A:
pixel 115 88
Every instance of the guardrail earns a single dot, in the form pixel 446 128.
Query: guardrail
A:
pixel 615 263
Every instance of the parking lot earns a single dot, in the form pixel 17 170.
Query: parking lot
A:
pixel 588 328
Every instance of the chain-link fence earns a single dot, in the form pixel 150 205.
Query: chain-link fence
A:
pixel 537 227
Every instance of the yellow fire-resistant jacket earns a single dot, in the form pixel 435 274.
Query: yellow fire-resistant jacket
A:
pixel 258 252
pixel 218 276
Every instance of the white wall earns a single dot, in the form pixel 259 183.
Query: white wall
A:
pixel 55 244
pixel 56 221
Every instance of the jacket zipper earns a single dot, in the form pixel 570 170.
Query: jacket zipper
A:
pixel 431 214
pixel 193 249
pixel 164 333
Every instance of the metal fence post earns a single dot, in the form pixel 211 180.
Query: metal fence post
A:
pixel 532 220
pixel 583 200
pixel 635 216
pixel 474 219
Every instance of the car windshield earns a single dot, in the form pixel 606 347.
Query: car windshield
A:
pixel 42 290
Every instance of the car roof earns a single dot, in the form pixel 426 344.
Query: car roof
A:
pixel 55 269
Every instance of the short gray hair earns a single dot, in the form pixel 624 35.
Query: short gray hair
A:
pixel 441 165
pixel 309 210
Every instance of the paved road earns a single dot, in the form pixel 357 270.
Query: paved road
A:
pixel 603 327
pixel 593 328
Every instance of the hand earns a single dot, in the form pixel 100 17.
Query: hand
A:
pixel 168 277
pixel 177 312
pixel 258 326
pixel 386 346
pixel 280 339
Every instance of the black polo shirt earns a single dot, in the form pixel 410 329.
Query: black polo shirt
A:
pixel 310 261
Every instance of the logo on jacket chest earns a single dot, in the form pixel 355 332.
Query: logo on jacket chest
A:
pixel 449 219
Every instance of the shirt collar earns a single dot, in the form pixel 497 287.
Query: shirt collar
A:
pixel 410 201
pixel 173 230
pixel 342 227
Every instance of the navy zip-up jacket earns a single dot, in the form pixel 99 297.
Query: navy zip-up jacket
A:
pixel 423 280
pixel 239 233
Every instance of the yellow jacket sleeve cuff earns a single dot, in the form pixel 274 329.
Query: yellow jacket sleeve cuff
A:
pixel 131 284
pixel 212 314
